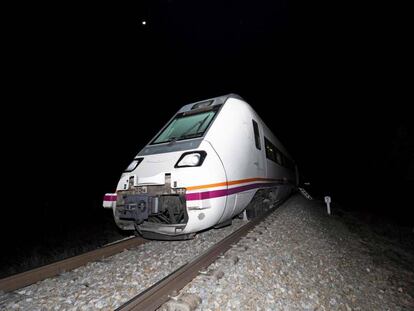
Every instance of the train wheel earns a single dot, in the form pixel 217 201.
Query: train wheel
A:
pixel 259 204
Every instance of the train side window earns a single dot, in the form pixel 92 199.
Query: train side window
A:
pixel 279 158
pixel 256 135
pixel 270 150
pixel 275 155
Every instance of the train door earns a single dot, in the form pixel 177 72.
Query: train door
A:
pixel 258 158
pixel 253 163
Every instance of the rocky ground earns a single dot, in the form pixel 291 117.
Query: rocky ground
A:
pixel 106 284
pixel 299 258
pixel 302 259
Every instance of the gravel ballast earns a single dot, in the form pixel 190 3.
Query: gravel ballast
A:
pixel 301 259
pixel 107 284
pixel 297 259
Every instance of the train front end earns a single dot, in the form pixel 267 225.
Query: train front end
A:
pixel 158 194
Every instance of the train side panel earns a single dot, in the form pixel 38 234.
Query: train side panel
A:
pixel 233 138
pixel 286 176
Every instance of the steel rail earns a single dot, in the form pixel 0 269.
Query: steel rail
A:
pixel 153 297
pixel 26 278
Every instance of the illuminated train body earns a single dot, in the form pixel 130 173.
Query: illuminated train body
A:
pixel 201 170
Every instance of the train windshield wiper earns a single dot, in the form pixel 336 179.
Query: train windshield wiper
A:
pixel 171 140
pixel 190 135
pixel 199 123
pixel 185 127
pixel 174 139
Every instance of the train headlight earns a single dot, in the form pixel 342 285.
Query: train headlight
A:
pixel 191 159
pixel 134 164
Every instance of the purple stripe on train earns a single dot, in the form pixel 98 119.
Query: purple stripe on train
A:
pixel 224 192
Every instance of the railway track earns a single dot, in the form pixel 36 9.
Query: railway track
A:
pixel 146 299
pixel 159 293
pixel 32 276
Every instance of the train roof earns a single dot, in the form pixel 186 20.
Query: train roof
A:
pixel 209 102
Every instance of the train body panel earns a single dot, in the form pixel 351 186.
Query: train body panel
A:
pixel 202 169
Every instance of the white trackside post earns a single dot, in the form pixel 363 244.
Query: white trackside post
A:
pixel 328 206
pixel 245 215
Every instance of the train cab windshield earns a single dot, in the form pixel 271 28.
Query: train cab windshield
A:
pixel 187 125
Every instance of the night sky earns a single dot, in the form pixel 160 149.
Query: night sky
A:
pixel 97 85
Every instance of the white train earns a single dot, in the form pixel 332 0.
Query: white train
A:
pixel 201 170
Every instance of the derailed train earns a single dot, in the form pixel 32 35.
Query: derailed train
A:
pixel 201 170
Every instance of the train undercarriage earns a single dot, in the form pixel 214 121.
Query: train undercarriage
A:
pixel 147 207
